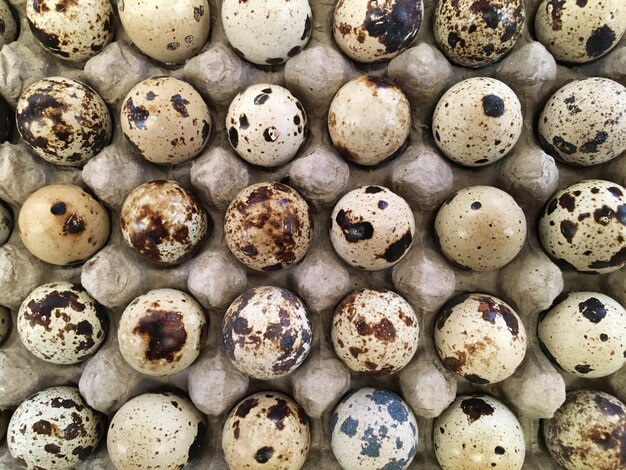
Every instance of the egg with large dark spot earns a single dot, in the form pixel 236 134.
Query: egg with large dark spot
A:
pixel 8 29
pixel 6 223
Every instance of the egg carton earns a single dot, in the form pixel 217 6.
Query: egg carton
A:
pixel 115 275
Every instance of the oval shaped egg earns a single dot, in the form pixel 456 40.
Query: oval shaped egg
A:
pixel 6 324
pixel 6 223
pixel 8 33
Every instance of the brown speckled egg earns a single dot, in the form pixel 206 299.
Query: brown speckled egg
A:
pixel 6 223
pixel 8 26
pixel 480 228
pixel 170 31
pixel 62 224
pixel 583 227
pixel 572 130
pixel 588 431
pixel 268 226
pixel 477 33
pixel 165 120
pixel 152 431
pixel 266 332
pixel 480 338
pixel 54 429
pixel 163 222
pixel 375 331
pixel 369 120
pixel 6 324
pixel 63 121
pixel 373 31
pixel 266 430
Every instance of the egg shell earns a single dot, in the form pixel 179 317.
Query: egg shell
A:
pixel 370 31
pixel 583 227
pixel 478 33
pixel 9 30
pixel 266 430
pixel 62 224
pixel 163 222
pixel 165 120
pixel 54 429
pixel 267 32
pixel 369 120
pixel 6 324
pixel 477 432
pixel 480 228
pixel 170 31
pixel 580 31
pixel 266 125
pixel 162 332
pixel 266 332
pixel 375 331
pixel 587 431
pixel 496 116
pixel 63 121
pixel 571 129
pixel 268 226
pixel 155 431
pixel 373 428
pixel 6 223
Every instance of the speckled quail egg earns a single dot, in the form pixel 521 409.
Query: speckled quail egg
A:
pixel 477 33
pixel 572 130
pixel 6 118
pixel 588 431
pixel 266 430
pixel 373 428
pixel 583 227
pixel 70 29
pixel 8 25
pixel 165 120
pixel 267 32
pixel 496 116
pixel 595 343
pixel 6 223
pixel 162 332
pixel 6 324
pixel 63 121
pixel 266 332
pixel 480 228
pixel 155 431
pixel 266 125
pixel 268 226
pixel 373 31
pixel 163 222
pixel 369 120
pixel 62 224
pixel 579 31
pixel 480 338
pixel 375 331
pixel 477 432
pixel 54 429
pixel 61 323
pixel 170 31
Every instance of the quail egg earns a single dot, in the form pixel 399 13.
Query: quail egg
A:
pixel 572 130
pixel 62 224
pixel 579 31
pixel 6 115
pixel 6 324
pixel 267 32
pixel 588 431
pixel 369 120
pixel 8 25
pixel 155 431
pixel 54 429
pixel 373 428
pixel 373 31
pixel 266 125
pixel 375 331
pixel 480 228
pixel 266 430
pixel 63 121
pixel 477 33
pixel 6 223
pixel 477 432
pixel 163 222
pixel 595 343
pixel 170 31
pixel 165 120
pixel 268 226
pixel 583 227
pixel 266 332
pixel 496 116
pixel 162 332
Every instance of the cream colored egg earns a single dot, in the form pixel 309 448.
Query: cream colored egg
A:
pixel 9 26
pixel 6 223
